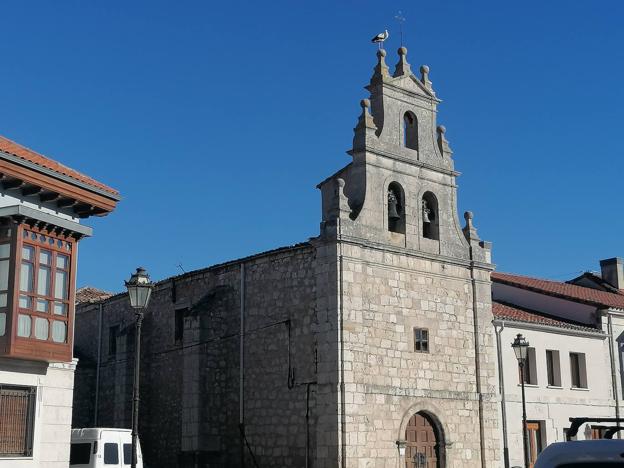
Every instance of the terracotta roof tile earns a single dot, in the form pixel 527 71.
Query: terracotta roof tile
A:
pixel 515 313
pixel 563 290
pixel 27 154
pixel 90 294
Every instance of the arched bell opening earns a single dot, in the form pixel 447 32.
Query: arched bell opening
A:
pixel 429 216
pixel 410 131
pixel 424 442
pixel 396 208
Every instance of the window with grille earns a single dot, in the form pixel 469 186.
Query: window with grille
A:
pixel 17 420
pixel 421 340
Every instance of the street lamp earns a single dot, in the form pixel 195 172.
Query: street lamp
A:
pixel 521 347
pixel 139 291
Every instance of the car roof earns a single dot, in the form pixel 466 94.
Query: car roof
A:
pixel 602 450
pixel 95 432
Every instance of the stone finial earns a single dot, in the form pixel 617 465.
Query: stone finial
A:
pixel 424 77
pixel 443 143
pixel 381 69
pixel 340 206
pixel 402 67
pixel 365 128
pixel 470 232
pixel 366 119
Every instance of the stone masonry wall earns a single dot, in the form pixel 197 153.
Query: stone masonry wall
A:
pixel 386 296
pixel 190 389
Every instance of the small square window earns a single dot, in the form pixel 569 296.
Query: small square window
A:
pixel 421 340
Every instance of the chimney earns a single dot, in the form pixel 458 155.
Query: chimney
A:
pixel 612 271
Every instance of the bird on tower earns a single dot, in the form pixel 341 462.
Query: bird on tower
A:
pixel 380 38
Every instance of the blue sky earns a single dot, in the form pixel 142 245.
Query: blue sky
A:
pixel 216 120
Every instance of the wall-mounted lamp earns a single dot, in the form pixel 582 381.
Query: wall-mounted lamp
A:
pixel 401 447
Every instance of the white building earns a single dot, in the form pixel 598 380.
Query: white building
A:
pixel 575 331
pixel 41 204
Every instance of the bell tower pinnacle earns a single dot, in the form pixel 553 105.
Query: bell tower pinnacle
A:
pixel 400 187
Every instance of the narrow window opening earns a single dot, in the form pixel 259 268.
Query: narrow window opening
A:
pixel 530 369
pixel 113 333
pixel 430 224
pixel 553 369
pixel 179 325
pixel 410 131
pixel 396 208
pixel 421 340
pixel 578 370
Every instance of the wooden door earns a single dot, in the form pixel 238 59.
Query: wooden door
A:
pixel 421 446
pixel 535 441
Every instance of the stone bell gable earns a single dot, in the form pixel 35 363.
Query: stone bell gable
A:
pixel 400 189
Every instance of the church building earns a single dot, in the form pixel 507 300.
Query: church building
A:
pixel 370 345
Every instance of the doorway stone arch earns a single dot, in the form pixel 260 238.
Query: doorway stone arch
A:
pixel 425 438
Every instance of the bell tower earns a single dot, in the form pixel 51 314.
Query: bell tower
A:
pixel 400 188
pixel 405 288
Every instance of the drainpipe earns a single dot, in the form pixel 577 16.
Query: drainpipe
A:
pixel 613 371
pixel 501 385
pixel 98 365
pixel 475 319
pixel 343 417
pixel 241 376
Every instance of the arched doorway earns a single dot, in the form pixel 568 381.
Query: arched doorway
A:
pixel 424 446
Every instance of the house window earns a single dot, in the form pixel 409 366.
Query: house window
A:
pixel 5 264
pixel 421 340
pixel 179 325
pixel 578 370
pixel 44 286
pixel 17 420
pixel 553 369
pixel 113 333
pixel 529 369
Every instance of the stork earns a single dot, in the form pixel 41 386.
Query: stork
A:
pixel 380 38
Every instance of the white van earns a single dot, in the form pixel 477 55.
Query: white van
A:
pixel 102 447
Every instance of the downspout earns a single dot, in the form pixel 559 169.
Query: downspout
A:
pixel 241 376
pixel 98 365
pixel 477 345
pixel 613 371
pixel 343 417
pixel 501 385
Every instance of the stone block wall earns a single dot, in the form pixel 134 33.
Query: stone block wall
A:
pixel 190 390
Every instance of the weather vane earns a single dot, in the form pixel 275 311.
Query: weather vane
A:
pixel 400 19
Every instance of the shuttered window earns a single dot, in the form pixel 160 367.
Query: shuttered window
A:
pixel 17 420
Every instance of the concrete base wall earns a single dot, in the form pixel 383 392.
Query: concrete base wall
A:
pixel 53 411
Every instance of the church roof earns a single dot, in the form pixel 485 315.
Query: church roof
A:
pixel 514 313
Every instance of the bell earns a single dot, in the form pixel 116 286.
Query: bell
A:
pixel 393 213
pixel 425 212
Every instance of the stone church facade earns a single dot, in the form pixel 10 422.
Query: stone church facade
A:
pixel 370 345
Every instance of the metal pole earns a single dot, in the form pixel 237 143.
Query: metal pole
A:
pixel 135 388
pixel 525 433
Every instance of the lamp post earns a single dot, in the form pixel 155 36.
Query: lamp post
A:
pixel 139 291
pixel 521 347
